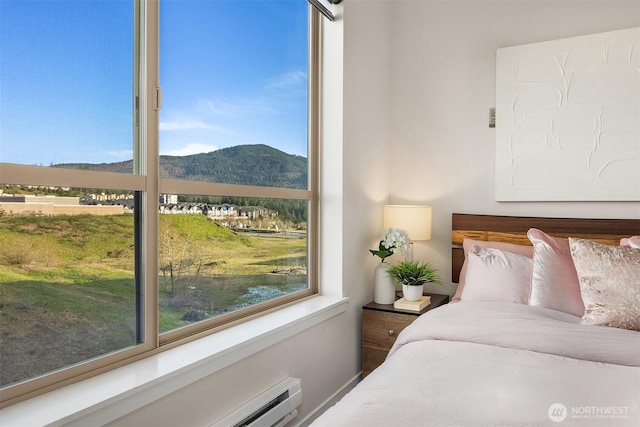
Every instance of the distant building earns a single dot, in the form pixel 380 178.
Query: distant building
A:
pixel 253 212
pixel 168 199
pixel 40 198
pixel 26 204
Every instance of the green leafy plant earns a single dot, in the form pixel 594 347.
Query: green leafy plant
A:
pixel 414 273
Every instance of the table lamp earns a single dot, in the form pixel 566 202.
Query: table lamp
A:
pixel 414 219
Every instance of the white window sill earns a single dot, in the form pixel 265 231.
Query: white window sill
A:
pixel 109 396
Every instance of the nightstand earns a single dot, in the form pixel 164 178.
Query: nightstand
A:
pixel 381 324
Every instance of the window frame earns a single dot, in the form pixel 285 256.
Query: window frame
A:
pixel 145 181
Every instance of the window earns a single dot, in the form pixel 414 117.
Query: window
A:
pixel 125 226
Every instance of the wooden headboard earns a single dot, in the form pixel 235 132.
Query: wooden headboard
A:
pixel 513 229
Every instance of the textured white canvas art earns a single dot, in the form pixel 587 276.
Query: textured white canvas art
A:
pixel 568 119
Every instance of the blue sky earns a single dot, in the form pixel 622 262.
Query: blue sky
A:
pixel 232 71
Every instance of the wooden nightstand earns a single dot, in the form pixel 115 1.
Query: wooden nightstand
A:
pixel 381 324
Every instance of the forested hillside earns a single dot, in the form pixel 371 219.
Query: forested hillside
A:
pixel 244 164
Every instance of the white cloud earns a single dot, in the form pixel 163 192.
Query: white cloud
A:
pixel 291 79
pixel 241 107
pixel 184 124
pixel 208 106
pixel 191 148
pixel 120 155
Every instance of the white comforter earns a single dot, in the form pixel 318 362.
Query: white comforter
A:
pixel 470 364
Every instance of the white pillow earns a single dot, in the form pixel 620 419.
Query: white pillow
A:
pixel 554 281
pixel 633 241
pixel 495 275
pixel 468 243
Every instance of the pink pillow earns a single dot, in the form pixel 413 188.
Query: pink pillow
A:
pixel 495 275
pixel 554 281
pixel 610 282
pixel 633 241
pixel 466 247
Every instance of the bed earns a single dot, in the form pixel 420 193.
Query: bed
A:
pixel 518 346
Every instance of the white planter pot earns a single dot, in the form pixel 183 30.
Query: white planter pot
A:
pixel 385 290
pixel 412 293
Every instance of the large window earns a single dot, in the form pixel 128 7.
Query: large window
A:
pixel 157 176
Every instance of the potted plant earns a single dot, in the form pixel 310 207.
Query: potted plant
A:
pixel 413 276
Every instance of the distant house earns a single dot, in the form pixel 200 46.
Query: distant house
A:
pixel 224 210
pixel 170 209
pixel 192 209
pixel 218 212
pixel 252 212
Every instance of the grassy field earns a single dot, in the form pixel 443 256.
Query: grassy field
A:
pixel 67 283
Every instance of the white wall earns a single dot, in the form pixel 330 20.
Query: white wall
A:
pixel 409 87
pixel 443 84
pixel 367 132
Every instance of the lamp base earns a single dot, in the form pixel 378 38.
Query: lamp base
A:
pixel 408 256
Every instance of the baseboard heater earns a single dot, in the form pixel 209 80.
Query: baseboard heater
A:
pixel 273 408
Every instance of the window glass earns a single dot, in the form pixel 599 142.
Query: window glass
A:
pixel 67 83
pixel 83 253
pixel 220 254
pixel 235 99
pixel 66 277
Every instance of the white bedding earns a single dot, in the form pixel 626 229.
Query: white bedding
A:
pixel 470 364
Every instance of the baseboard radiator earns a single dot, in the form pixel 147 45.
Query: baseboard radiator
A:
pixel 273 408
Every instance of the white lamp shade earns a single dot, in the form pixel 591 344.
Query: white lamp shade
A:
pixel 415 220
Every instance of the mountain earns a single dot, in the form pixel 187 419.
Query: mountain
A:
pixel 259 165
